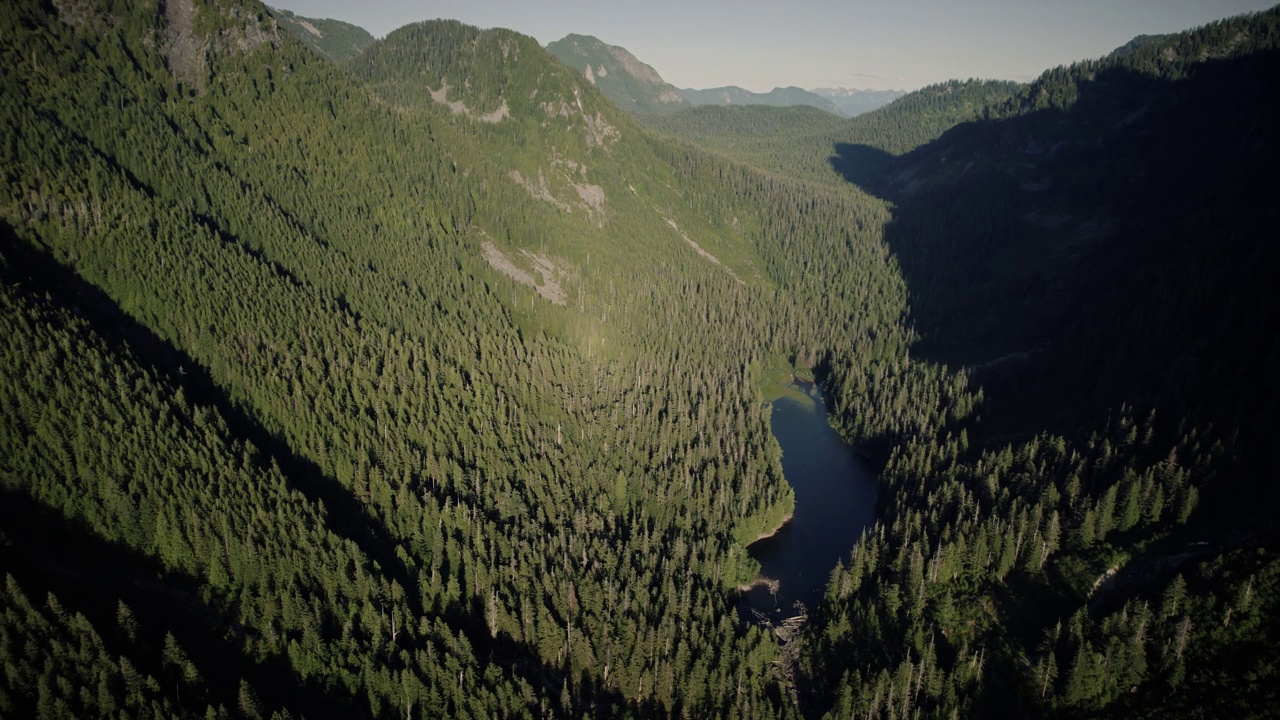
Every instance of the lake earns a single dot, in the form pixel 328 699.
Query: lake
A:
pixel 835 494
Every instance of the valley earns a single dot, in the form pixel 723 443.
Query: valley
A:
pixel 420 376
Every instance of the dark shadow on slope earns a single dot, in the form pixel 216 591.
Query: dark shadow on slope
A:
pixel 345 514
pixel 1078 259
pixel 863 165
pixel 47 552
pixel 65 558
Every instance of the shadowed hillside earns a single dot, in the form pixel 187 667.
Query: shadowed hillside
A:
pixel 1095 252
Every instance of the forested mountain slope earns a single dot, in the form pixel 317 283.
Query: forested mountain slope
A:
pixel 334 39
pixel 274 365
pixel 798 142
pixel 631 84
pixel 1097 251
pixel 1094 191
pixel 427 385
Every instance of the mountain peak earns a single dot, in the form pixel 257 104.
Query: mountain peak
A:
pixel 588 46
pixel 631 84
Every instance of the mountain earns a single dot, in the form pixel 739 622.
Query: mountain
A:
pixel 428 384
pixel 1078 270
pixel 629 83
pixel 854 102
pixel 334 39
pixel 636 87
pixel 1095 249
pixel 778 97
pixel 790 140
pixel 433 384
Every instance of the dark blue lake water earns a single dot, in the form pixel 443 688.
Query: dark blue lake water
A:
pixel 835 501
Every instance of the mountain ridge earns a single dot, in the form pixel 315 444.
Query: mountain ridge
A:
pixel 337 40
pixel 778 97
pixel 1056 248
pixel 629 83
pixel 636 87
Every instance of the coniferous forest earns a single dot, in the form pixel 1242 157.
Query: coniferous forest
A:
pixel 418 380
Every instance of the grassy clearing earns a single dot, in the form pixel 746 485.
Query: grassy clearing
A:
pixel 776 381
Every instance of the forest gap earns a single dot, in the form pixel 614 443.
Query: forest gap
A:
pixel 835 496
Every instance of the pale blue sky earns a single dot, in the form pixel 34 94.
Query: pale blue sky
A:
pixel 759 44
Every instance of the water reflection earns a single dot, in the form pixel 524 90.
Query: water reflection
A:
pixel 835 495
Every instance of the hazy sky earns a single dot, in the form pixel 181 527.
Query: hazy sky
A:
pixel 760 44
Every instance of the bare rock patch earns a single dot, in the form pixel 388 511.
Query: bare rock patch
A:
pixel 545 285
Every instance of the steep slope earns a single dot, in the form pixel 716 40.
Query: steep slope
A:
pixel 315 274
pixel 428 385
pixel 334 39
pixel 629 83
pixel 777 97
pixel 1074 186
pixel 923 115
pixel 523 502
pixel 1097 252
pixel 585 170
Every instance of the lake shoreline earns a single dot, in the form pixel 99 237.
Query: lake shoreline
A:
pixel 786 520
pixel 835 497
pixel 760 581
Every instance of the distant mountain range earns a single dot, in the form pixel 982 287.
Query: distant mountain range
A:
pixel 779 96
pixel 852 102
pixel 630 83
pixel 636 87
